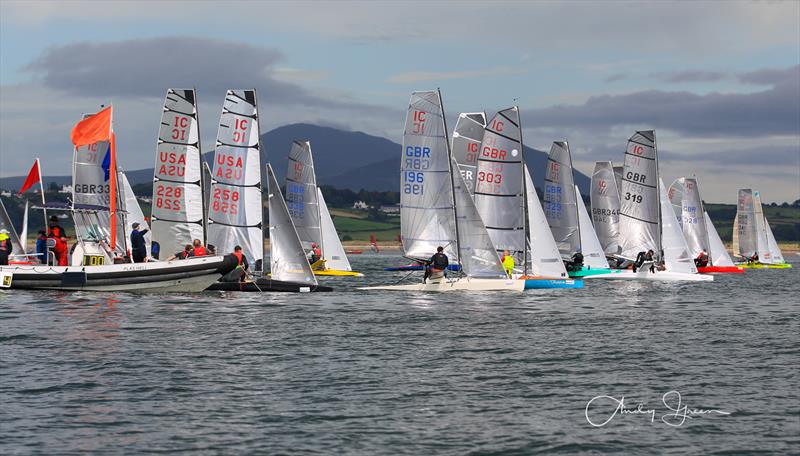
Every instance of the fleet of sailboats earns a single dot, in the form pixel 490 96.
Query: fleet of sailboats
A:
pixel 753 240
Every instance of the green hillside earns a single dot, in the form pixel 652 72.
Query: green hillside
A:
pixel 783 219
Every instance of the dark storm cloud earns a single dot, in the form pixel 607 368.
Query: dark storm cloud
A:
pixel 770 155
pixel 147 67
pixel 775 111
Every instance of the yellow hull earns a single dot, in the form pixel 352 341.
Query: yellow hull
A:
pixel 764 266
pixel 335 273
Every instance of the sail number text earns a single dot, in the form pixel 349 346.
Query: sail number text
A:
pixel 417 160
pixel 168 197
pixel 225 201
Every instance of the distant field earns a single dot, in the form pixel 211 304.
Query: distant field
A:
pixel 361 229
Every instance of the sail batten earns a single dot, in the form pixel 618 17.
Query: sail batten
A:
pixel 684 194
pixel 604 196
pixel 301 194
pixel 560 205
pixel 640 217
pixel 466 143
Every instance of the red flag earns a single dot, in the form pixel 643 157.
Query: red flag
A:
pixel 33 177
pixel 92 129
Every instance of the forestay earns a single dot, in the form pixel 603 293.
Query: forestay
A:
pixel 593 255
pixel 301 194
pixel 684 195
pixel 332 251
pixel 426 198
pixel 604 196
pixel 745 223
pixel 178 212
pixel 135 214
pixel 467 137
pixel 288 261
pixel 719 256
pixel 499 187
pixel 676 252
pixel 639 218
pixel 235 211
pixel 560 206
pixel 544 258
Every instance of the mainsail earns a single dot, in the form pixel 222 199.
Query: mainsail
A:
pixel 560 206
pixel 762 245
pixel 684 194
pixel 640 220
pixel 301 195
pixel 426 199
pixel 500 188
pixel 735 235
pixel 544 258
pixel 332 250
pixel 178 214
pixel 745 224
pixel 676 253
pixel 593 255
pixel 135 214
pixel 467 137
pixel 719 256
pixel 235 213
pixel 288 261
pixel 604 196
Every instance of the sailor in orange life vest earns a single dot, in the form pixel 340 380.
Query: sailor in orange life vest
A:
pixel 5 247
pixel 243 267
pixel 60 236
pixel 199 249
pixel 315 253
pixel 436 265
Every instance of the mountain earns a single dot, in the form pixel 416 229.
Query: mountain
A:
pixel 342 159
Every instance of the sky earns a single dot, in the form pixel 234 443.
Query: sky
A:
pixel 719 81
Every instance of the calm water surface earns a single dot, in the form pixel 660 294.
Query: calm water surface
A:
pixel 385 373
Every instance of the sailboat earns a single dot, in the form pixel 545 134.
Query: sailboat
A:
pixel 311 216
pixel 647 221
pixel 753 237
pixel 564 216
pixel 699 231
pixel 437 209
pixel 235 211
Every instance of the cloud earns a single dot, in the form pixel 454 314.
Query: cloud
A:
pixel 616 77
pixel 690 76
pixel 423 76
pixel 772 76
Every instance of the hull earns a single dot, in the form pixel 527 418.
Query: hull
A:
pixel 192 275
pixel 721 269
pixel 588 272
pixel 465 284
pixel 658 276
pixel 336 273
pixel 265 285
pixel 764 265
pixel 537 284
pixel 419 267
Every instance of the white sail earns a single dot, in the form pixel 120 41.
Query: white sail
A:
pixel 545 260
pixel 288 261
pixel 762 245
pixel 772 245
pixel 426 198
pixel 499 187
pixel 676 252
pixel 467 137
pixel 718 255
pixel 745 226
pixel 134 211
pixel 639 222
pixel 560 206
pixel 235 213
pixel 178 212
pixel 735 235
pixel 301 195
pixel 604 197
pixel 684 195
pixel 23 234
pixel 478 257
pixel 593 255
pixel 5 224
pixel 332 251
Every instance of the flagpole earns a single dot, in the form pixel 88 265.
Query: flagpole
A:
pixel 41 186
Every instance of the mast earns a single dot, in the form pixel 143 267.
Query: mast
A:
pixel 202 165
pixel 260 183
pixel 577 194
pixel 452 180
pixel 660 215
pixel 524 199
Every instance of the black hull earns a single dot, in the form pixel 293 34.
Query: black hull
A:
pixel 267 285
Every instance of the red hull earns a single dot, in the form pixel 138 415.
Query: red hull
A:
pixel 726 269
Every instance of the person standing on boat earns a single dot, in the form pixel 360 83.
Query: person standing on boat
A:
pixel 138 245
pixel 437 264
pixel 60 236
pixel 41 247
pixel 5 247
pixel 199 249
pixel 508 263
pixel 315 253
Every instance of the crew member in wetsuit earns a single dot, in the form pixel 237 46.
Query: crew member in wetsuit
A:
pixel 315 253
pixel 576 264
pixel 508 263
pixel 642 258
pixel 5 247
pixel 438 263
pixel 238 274
pixel 183 254
pixel 138 246
pixel 60 236
pixel 753 259
pixel 702 259
pixel 199 249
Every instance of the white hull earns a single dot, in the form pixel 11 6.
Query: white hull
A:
pixel 464 284
pixel 658 276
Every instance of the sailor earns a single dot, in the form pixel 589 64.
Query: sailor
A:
pixel 5 247
pixel 642 258
pixel 315 253
pixel 240 273
pixel 437 264
pixel 508 263
pixel 701 260
pixel 41 247
pixel 753 259
pixel 138 246
pixel 576 263
pixel 183 254
pixel 199 249
pixel 60 236
pixel 211 250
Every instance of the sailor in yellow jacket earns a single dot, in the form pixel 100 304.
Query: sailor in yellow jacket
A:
pixel 508 263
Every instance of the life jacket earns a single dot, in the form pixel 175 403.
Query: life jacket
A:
pixel 238 256
pixel 200 251
pixel 508 263
pixel 317 252
pixel 56 231
pixel 5 245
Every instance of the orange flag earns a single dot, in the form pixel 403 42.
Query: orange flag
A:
pixel 93 129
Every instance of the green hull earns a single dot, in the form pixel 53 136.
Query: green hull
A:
pixel 588 272
pixel 764 266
